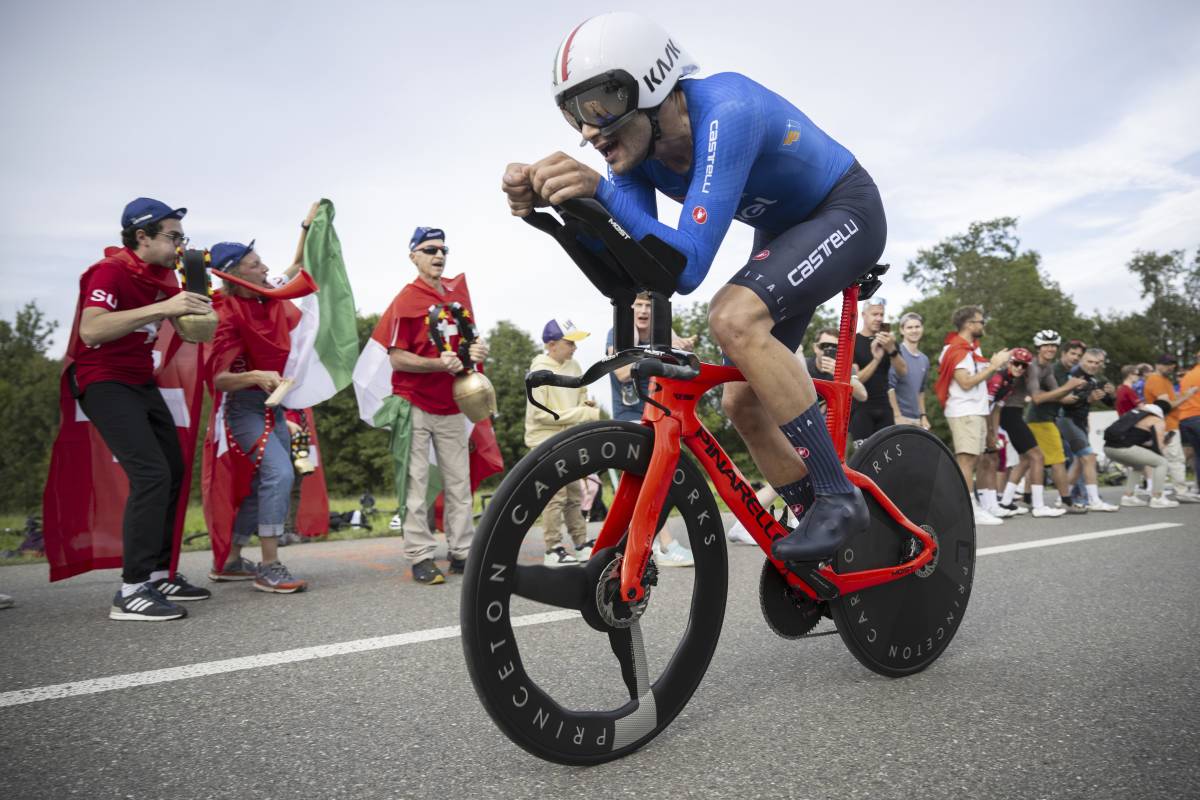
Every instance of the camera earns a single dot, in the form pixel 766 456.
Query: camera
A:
pixel 828 349
pixel 1091 384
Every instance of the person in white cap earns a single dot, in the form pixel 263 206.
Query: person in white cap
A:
pixel 573 407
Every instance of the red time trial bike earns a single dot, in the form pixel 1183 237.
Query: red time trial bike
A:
pixel 643 637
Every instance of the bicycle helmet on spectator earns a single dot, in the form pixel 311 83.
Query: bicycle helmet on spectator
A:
pixel 1020 355
pixel 1046 337
pixel 612 66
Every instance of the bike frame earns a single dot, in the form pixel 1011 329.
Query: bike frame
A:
pixel 639 499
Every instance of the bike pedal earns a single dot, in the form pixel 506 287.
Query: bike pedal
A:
pixel 810 572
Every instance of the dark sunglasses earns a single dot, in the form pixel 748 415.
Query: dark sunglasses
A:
pixel 433 250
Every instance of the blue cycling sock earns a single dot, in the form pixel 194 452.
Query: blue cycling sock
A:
pixel 810 437
pixel 798 495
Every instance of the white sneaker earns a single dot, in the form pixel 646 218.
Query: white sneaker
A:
pixel 984 518
pixel 739 535
pixel 676 555
pixel 1186 497
pixel 1047 511
pixel 1000 512
pixel 558 557
pixel 584 551
pixel 1016 508
pixel 1132 501
pixel 1103 506
pixel 1163 502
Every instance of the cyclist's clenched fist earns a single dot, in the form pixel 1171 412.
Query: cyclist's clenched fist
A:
pixel 519 189
pixel 559 177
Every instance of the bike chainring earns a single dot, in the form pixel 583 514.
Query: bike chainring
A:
pixel 790 613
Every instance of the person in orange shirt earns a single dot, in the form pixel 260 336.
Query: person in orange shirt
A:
pixel 1160 385
pixel 1189 412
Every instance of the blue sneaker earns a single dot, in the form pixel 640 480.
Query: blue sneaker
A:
pixel 147 604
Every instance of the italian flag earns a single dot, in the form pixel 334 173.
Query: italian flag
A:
pixel 324 344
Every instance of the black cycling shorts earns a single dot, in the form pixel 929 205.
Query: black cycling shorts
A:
pixel 797 270
pixel 1012 420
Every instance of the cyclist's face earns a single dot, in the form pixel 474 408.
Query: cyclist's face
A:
pixel 624 148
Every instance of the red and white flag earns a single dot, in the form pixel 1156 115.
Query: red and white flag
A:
pixel 83 505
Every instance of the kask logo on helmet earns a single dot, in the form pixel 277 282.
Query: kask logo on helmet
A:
pixel 660 69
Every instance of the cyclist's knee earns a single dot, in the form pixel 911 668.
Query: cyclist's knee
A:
pixel 737 317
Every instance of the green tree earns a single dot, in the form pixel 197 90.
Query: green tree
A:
pixel 1173 288
pixel 987 267
pixel 511 351
pixel 28 407
pixel 354 454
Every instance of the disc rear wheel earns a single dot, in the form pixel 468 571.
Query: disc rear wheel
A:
pixel 903 626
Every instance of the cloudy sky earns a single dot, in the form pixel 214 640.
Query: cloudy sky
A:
pixel 1082 119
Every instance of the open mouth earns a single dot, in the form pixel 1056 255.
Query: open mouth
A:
pixel 607 149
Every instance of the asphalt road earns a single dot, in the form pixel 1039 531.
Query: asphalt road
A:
pixel 1074 674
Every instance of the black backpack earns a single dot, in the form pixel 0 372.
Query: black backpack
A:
pixel 1121 432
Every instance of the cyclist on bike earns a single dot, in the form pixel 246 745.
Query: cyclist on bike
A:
pixel 727 148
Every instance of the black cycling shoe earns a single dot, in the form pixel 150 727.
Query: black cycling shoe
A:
pixel 829 522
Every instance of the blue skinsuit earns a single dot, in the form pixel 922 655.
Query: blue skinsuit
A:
pixel 756 158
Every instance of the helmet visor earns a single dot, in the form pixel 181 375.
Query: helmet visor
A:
pixel 606 105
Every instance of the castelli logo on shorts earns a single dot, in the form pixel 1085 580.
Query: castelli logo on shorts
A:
pixel 700 215
pixel 802 452
pixel 762 256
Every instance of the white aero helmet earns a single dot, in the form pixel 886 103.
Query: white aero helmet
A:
pixel 612 65
pixel 1046 337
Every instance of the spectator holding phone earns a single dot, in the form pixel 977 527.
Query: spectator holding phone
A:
pixel 875 352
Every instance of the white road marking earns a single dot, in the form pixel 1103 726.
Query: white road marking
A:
pixel 59 691
pixel 1078 537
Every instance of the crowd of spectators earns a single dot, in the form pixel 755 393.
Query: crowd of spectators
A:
pixel 1020 411
pixel 1011 415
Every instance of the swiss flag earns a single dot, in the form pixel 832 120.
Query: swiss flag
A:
pixel 83 505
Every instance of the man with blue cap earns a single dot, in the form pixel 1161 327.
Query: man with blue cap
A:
pixel 422 380
pixel 110 371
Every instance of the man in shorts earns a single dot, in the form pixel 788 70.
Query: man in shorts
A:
pixel 1045 397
